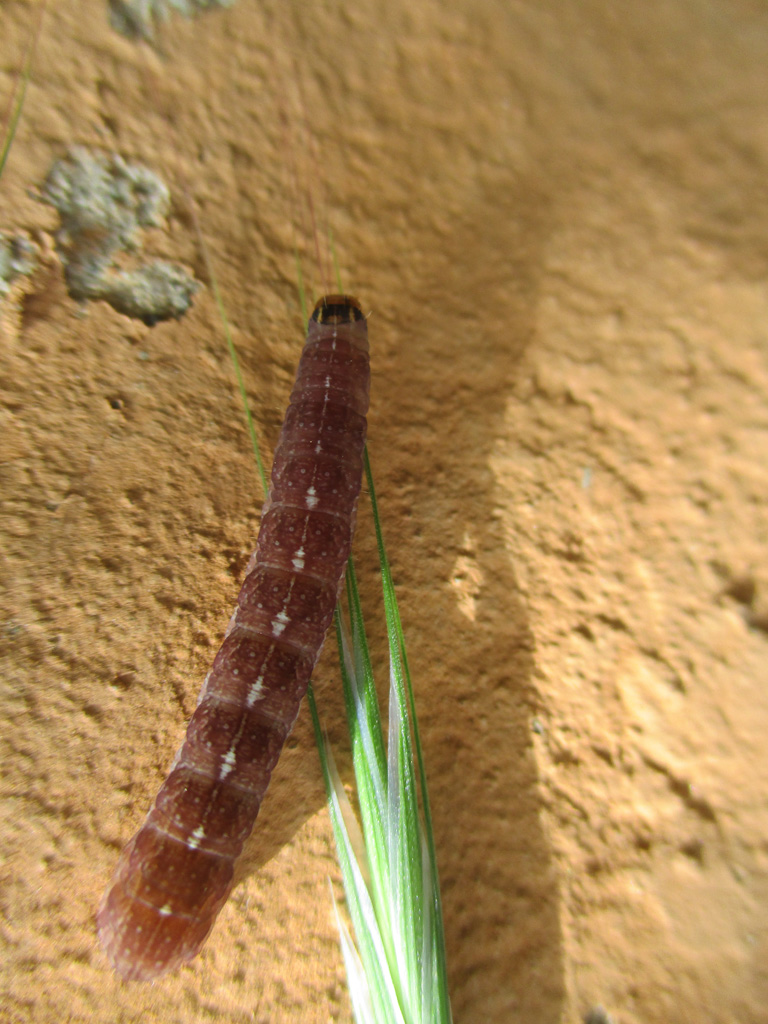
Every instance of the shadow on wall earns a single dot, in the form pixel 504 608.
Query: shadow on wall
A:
pixel 475 660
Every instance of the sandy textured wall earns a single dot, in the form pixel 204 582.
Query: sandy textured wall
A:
pixel 558 216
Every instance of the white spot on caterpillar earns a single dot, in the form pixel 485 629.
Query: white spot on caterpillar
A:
pixel 165 911
pixel 311 497
pixel 282 618
pixel 227 763
pixel 193 842
pixel 255 691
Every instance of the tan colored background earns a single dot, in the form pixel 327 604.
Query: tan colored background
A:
pixel 558 215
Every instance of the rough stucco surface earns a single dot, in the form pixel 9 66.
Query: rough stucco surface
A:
pixel 558 216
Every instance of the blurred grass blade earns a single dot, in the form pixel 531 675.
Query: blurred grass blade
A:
pixel 15 106
pixel 359 991
pixel 335 259
pixel 302 290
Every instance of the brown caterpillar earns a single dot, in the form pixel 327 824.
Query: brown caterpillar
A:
pixel 176 873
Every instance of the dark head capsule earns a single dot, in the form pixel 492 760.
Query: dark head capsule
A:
pixel 337 309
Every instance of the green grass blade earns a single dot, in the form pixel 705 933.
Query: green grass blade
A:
pixel 364 691
pixel 409 908
pixel 371 781
pixel 364 724
pixel 369 939
pixel 368 756
pixel 405 700
pixel 404 831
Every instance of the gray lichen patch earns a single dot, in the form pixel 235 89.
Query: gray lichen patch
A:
pixel 136 19
pixel 154 292
pixel 103 203
pixel 18 256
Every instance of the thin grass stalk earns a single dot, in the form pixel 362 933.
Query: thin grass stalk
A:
pixel 230 344
pixel 15 105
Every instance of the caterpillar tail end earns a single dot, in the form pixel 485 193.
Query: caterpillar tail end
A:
pixel 144 940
